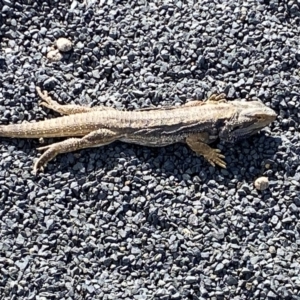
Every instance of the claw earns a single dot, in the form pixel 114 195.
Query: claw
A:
pixel 37 168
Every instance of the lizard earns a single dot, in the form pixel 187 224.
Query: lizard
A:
pixel 197 123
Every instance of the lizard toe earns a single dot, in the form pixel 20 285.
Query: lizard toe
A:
pixel 43 148
pixel 38 167
pixel 216 158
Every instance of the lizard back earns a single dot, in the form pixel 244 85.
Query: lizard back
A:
pixel 155 122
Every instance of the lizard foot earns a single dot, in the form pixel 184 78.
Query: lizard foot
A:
pixel 47 101
pixel 215 99
pixel 213 156
pixel 48 155
pixel 67 109
pixel 221 98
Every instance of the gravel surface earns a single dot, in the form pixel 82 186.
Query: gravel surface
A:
pixel 131 222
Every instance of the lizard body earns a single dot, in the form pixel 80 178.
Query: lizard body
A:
pixel 197 123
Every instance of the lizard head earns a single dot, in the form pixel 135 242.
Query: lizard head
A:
pixel 249 118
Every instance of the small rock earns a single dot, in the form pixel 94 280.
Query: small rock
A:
pixel 219 267
pixel 63 45
pixel 272 249
pixel 261 183
pixel 232 281
pixel 191 279
pixel 54 55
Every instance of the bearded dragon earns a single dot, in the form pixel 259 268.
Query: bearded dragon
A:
pixel 196 123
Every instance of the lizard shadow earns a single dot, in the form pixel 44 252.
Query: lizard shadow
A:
pixel 175 164
pixel 120 178
pixel 251 157
pixel 246 158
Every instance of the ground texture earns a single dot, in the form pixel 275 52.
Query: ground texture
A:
pixel 131 222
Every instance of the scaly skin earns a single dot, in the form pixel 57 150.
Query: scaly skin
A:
pixel 197 123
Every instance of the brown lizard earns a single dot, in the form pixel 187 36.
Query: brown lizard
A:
pixel 196 123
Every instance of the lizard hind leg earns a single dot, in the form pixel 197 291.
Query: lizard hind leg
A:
pixel 95 138
pixel 69 109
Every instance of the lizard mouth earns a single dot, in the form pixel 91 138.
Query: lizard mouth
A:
pixel 242 133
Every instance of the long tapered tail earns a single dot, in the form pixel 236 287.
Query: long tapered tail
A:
pixel 59 127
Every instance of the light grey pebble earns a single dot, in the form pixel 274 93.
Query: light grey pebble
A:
pixel 54 55
pixel 261 183
pixel 63 44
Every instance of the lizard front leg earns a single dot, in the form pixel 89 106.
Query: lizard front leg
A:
pixel 68 109
pixel 197 142
pixel 213 99
pixel 95 138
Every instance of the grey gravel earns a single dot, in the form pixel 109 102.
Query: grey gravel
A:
pixel 131 222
